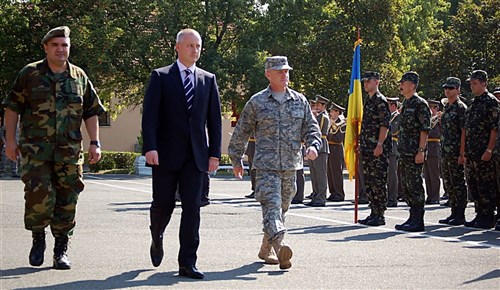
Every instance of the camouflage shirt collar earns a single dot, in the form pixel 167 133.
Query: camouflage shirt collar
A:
pixel 44 69
pixel 288 93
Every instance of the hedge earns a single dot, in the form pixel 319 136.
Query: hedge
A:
pixel 112 160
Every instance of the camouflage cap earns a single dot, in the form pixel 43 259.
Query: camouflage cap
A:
pixel 452 82
pixel 61 31
pixel 277 63
pixel 496 90
pixel 369 75
pixel 336 107
pixel 480 75
pixel 410 76
pixel 322 100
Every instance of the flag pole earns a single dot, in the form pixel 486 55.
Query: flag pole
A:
pixel 356 166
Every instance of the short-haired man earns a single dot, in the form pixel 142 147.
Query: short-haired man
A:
pixel 393 182
pixel 281 119
pixel 375 148
pixel 481 129
pixel 414 128
pixel 432 164
pixel 453 148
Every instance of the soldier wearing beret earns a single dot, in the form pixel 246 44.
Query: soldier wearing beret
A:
pixel 318 166
pixel 432 164
pixel 335 137
pixel 374 148
pixel 278 155
pixel 51 98
pixel 453 150
pixel 481 129
pixel 393 179
pixel 414 128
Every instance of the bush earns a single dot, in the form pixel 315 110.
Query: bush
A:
pixel 112 161
pixel 224 159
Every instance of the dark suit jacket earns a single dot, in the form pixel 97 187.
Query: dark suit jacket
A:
pixel 168 126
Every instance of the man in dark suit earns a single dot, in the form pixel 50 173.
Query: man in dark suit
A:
pixel 182 142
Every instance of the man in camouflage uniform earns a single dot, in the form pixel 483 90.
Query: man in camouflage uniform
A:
pixel 481 128
pixel 336 163
pixel 375 148
pixel 392 171
pixel 453 148
pixel 318 167
pixel 414 128
pixel 281 118
pixel 51 97
pixel 496 156
pixel 432 164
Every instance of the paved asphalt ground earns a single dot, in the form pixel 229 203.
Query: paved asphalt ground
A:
pixel 110 248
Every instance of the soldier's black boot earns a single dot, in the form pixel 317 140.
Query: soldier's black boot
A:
pixel 377 220
pixel 61 260
pixel 459 217
pixel 38 248
pixel 451 217
pixel 472 222
pixel 485 221
pixel 410 219
pixel 365 221
pixel 417 225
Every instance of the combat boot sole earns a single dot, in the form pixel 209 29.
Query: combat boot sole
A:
pixel 284 255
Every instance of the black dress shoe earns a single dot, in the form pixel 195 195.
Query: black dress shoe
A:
pixel 204 203
pixel 392 204
pixel 447 203
pixel 310 196
pixel 156 253
pixel 251 195
pixel 315 204
pixel 190 272
pixel 363 201
pixel 335 198
pixel 297 201
pixel 432 201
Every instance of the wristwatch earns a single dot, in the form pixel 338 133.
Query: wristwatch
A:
pixel 96 143
pixel 421 149
pixel 489 150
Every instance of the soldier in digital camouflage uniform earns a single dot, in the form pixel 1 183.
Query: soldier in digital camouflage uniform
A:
pixel 374 146
pixel 432 164
pixel 318 167
pixel 392 171
pixel 496 156
pixel 452 148
pixel 281 118
pixel 481 128
pixel 51 97
pixel 414 128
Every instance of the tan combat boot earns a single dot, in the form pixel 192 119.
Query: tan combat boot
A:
pixel 284 252
pixel 266 252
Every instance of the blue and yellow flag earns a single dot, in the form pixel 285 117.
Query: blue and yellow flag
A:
pixel 354 113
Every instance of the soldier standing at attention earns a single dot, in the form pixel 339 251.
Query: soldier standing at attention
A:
pixel 336 162
pixel 496 156
pixel 453 148
pixel 374 148
pixel 50 98
pixel 414 128
pixel 318 167
pixel 281 118
pixel 432 164
pixel 392 172
pixel 481 128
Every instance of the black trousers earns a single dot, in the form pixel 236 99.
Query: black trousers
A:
pixel 190 182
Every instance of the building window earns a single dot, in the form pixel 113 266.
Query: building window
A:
pixel 104 120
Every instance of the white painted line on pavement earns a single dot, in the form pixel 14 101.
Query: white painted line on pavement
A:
pixel 116 186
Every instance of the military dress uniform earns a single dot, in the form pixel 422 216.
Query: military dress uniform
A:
pixel 318 166
pixel 481 117
pixel 392 171
pixel 432 164
pixel 280 125
pixel 376 114
pixel 336 162
pixel 453 121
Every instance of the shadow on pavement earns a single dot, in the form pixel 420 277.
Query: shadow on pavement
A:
pixel 368 237
pixel 15 273
pixel 491 275
pixel 323 229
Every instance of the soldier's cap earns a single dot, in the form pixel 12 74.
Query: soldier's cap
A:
pixel 336 107
pixel 433 103
pixel 496 91
pixel 452 82
pixel 61 31
pixel 480 75
pixel 322 100
pixel 410 76
pixel 277 63
pixel 370 75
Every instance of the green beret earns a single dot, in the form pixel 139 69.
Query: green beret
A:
pixel 61 31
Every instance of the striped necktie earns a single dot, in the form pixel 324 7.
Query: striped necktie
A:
pixel 188 89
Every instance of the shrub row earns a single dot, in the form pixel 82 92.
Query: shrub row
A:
pixel 112 160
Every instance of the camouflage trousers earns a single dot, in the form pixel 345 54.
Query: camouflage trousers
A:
pixel 454 182
pixel 497 173
pixel 274 190
pixel 375 175
pixel 51 192
pixel 482 185
pixel 413 187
